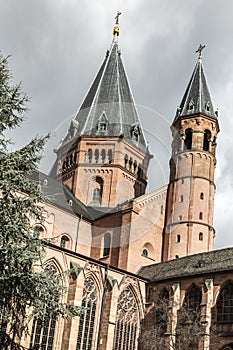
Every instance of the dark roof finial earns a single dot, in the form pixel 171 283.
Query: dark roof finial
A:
pixel 199 50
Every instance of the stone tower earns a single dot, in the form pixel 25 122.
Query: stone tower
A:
pixel 190 198
pixel 103 158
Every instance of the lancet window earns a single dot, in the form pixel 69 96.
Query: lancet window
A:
pixel 87 322
pixel 126 321
pixel 225 304
pixel 43 329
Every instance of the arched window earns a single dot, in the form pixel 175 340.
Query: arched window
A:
pixel 126 321
pixel 202 195
pixel 43 329
pixel 64 242
pixel 97 154
pixel 206 140
pixel 89 154
pixel 103 155
pixel 200 236
pixel 201 216
pixel 130 163
pixel 107 244
pixel 110 156
pixel 126 160
pixel 38 231
pixel 161 210
pixel 97 191
pixel 188 138
pixel 192 299
pixel 134 166
pixel 161 311
pixel 225 304
pixel 88 317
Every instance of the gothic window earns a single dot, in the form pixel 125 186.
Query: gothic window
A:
pixel 126 321
pixel 200 236
pixel 43 329
pixel 192 299
pixel 225 304
pixel 206 140
pixel 161 311
pixel 188 138
pixel 64 242
pixel 107 244
pixel 87 320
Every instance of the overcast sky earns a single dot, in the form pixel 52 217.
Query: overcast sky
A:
pixel 57 46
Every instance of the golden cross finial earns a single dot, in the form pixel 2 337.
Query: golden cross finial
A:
pixel 116 30
pixel 201 47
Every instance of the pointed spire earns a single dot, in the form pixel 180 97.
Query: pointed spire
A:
pixel 197 97
pixel 108 108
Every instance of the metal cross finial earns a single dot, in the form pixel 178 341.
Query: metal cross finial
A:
pixel 117 17
pixel 201 47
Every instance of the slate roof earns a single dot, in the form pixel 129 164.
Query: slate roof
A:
pixel 58 194
pixel 197 264
pixel 197 97
pixel 109 100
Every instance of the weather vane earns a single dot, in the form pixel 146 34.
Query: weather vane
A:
pixel 116 30
pixel 201 47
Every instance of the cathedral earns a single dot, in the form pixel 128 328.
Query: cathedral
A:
pixel 144 268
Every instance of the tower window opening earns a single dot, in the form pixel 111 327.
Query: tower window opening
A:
pixel 103 155
pixel 97 155
pixel 181 198
pixel 135 166
pixel 177 256
pixel 180 217
pixel 110 156
pixel 178 239
pixel 96 195
pixel 202 195
pixel 102 125
pixel 37 231
pixel 207 106
pixel 64 241
pixel 97 191
pixel 139 173
pixel 191 106
pixel 200 236
pixel 188 138
pixel 126 160
pixel 145 252
pixel 130 163
pixel 161 210
pixel 206 140
pixel 201 216
pixel 107 244
pixel 89 155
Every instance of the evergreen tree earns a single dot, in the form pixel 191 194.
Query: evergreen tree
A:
pixel 27 287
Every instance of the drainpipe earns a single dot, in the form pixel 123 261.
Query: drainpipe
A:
pixel 77 232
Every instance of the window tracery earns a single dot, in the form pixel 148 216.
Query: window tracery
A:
pixel 88 317
pixel 126 321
